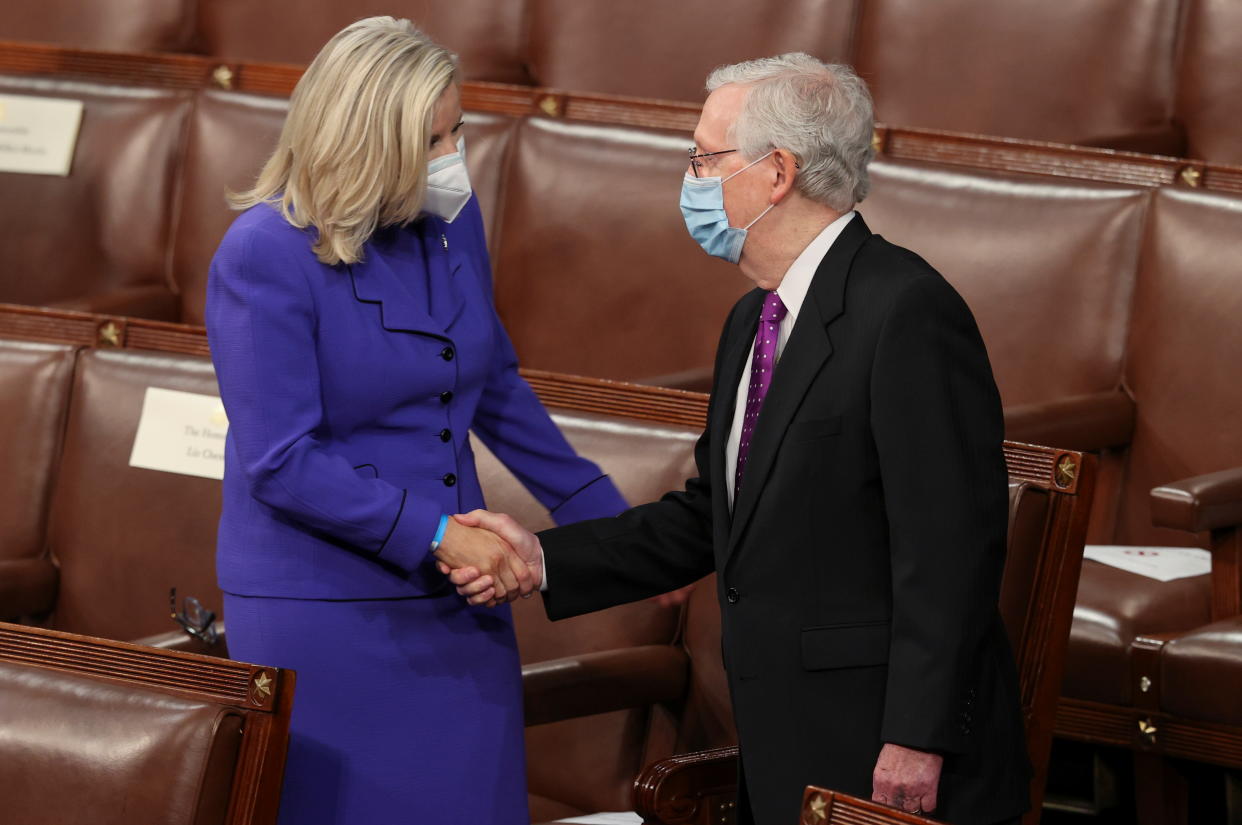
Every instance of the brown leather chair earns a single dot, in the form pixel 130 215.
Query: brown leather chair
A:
pixel 595 274
pixel 111 734
pixel 98 238
pixel 123 536
pixel 232 135
pixel 487 35
pixel 599 687
pixel 1049 504
pixel 34 398
pixel 1209 83
pixel 666 50
pixel 1098 74
pixel 120 25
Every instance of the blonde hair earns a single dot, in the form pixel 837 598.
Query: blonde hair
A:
pixel 352 156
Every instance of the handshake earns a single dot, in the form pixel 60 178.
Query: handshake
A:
pixel 490 558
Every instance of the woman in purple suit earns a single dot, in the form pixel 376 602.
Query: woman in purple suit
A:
pixel 351 323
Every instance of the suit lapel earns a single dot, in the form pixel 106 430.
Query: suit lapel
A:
pixel 808 348
pixel 407 303
pixel 738 345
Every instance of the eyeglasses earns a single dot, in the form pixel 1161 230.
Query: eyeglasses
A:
pixel 695 159
pixel 195 619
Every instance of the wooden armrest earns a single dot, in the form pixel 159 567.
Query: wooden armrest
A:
pixel 27 587
pixel 180 640
pixel 1084 422
pixel 151 301
pixel 1207 502
pixel 830 807
pixel 692 788
pixel 601 682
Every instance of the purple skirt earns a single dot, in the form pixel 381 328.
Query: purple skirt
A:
pixel 406 710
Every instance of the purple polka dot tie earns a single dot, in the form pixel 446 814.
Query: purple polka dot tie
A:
pixel 761 367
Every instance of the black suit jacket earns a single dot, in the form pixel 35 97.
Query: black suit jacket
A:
pixel 860 568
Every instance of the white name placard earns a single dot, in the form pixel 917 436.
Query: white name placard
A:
pixel 181 432
pixel 37 134
pixel 1160 563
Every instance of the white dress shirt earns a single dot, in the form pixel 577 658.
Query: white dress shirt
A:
pixel 792 292
pixel 793 289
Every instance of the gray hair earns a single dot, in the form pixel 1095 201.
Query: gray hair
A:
pixel 819 111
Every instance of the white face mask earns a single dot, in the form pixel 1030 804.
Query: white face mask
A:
pixel 448 184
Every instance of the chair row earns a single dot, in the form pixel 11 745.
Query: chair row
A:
pixel 92 544
pixel 1163 81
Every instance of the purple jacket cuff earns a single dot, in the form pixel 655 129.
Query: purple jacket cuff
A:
pixel 409 543
pixel 598 499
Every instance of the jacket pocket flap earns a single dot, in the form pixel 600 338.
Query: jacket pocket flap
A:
pixel 854 645
pixel 815 428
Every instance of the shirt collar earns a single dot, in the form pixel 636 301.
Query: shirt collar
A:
pixel 797 280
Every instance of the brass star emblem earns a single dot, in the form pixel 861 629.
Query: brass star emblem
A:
pixel 223 76
pixel 110 334
pixel 819 808
pixel 1148 730
pixel 1067 471
pixel 263 685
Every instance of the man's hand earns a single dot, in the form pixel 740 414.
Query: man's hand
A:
pixel 478 585
pixel 906 779
pixel 487 554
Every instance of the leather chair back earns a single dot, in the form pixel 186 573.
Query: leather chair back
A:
pixel 34 398
pixel 1047 266
pixel 123 536
pixel 487 35
pixel 111 214
pixel 118 25
pixel 1209 83
pixel 232 135
pixel 593 250
pixel 1097 73
pixel 1180 363
pixel 645 461
pixel 671 47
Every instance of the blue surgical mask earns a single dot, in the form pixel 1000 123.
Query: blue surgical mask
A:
pixel 702 205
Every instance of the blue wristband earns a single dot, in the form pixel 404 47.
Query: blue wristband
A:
pixel 439 537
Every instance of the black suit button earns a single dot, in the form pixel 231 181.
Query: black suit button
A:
pixel 446 396
pixel 446 435
pixel 733 596
pixel 449 479
pixel 447 353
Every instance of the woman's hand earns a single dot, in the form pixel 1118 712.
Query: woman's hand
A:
pixel 489 555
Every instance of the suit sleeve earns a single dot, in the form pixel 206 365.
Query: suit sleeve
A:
pixel 261 325
pixel 514 425
pixel 938 428
pixel 648 550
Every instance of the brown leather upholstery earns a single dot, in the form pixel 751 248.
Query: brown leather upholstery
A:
pixel 34 397
pixel 1113 607
pixel 1201 672
pixel 118 754
pixel 1037 259
pixel 595 274
pixel 103 231
pixel 707 714
pixel 1097 73
pixel 122 535
pixel 1209 84
pixel 117 25
pixel 1186 312
pixel 1028 517
pixel 487 35
pixel 666 50
pixel 645 460
pixel 230 138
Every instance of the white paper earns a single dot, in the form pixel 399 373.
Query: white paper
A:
pixel 37 134
pixel 627 818
pixel 1160 563
pixel 181 432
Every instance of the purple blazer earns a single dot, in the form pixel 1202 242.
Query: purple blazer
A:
pixel 350 391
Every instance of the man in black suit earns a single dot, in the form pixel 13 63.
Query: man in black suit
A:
pixel 852 492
